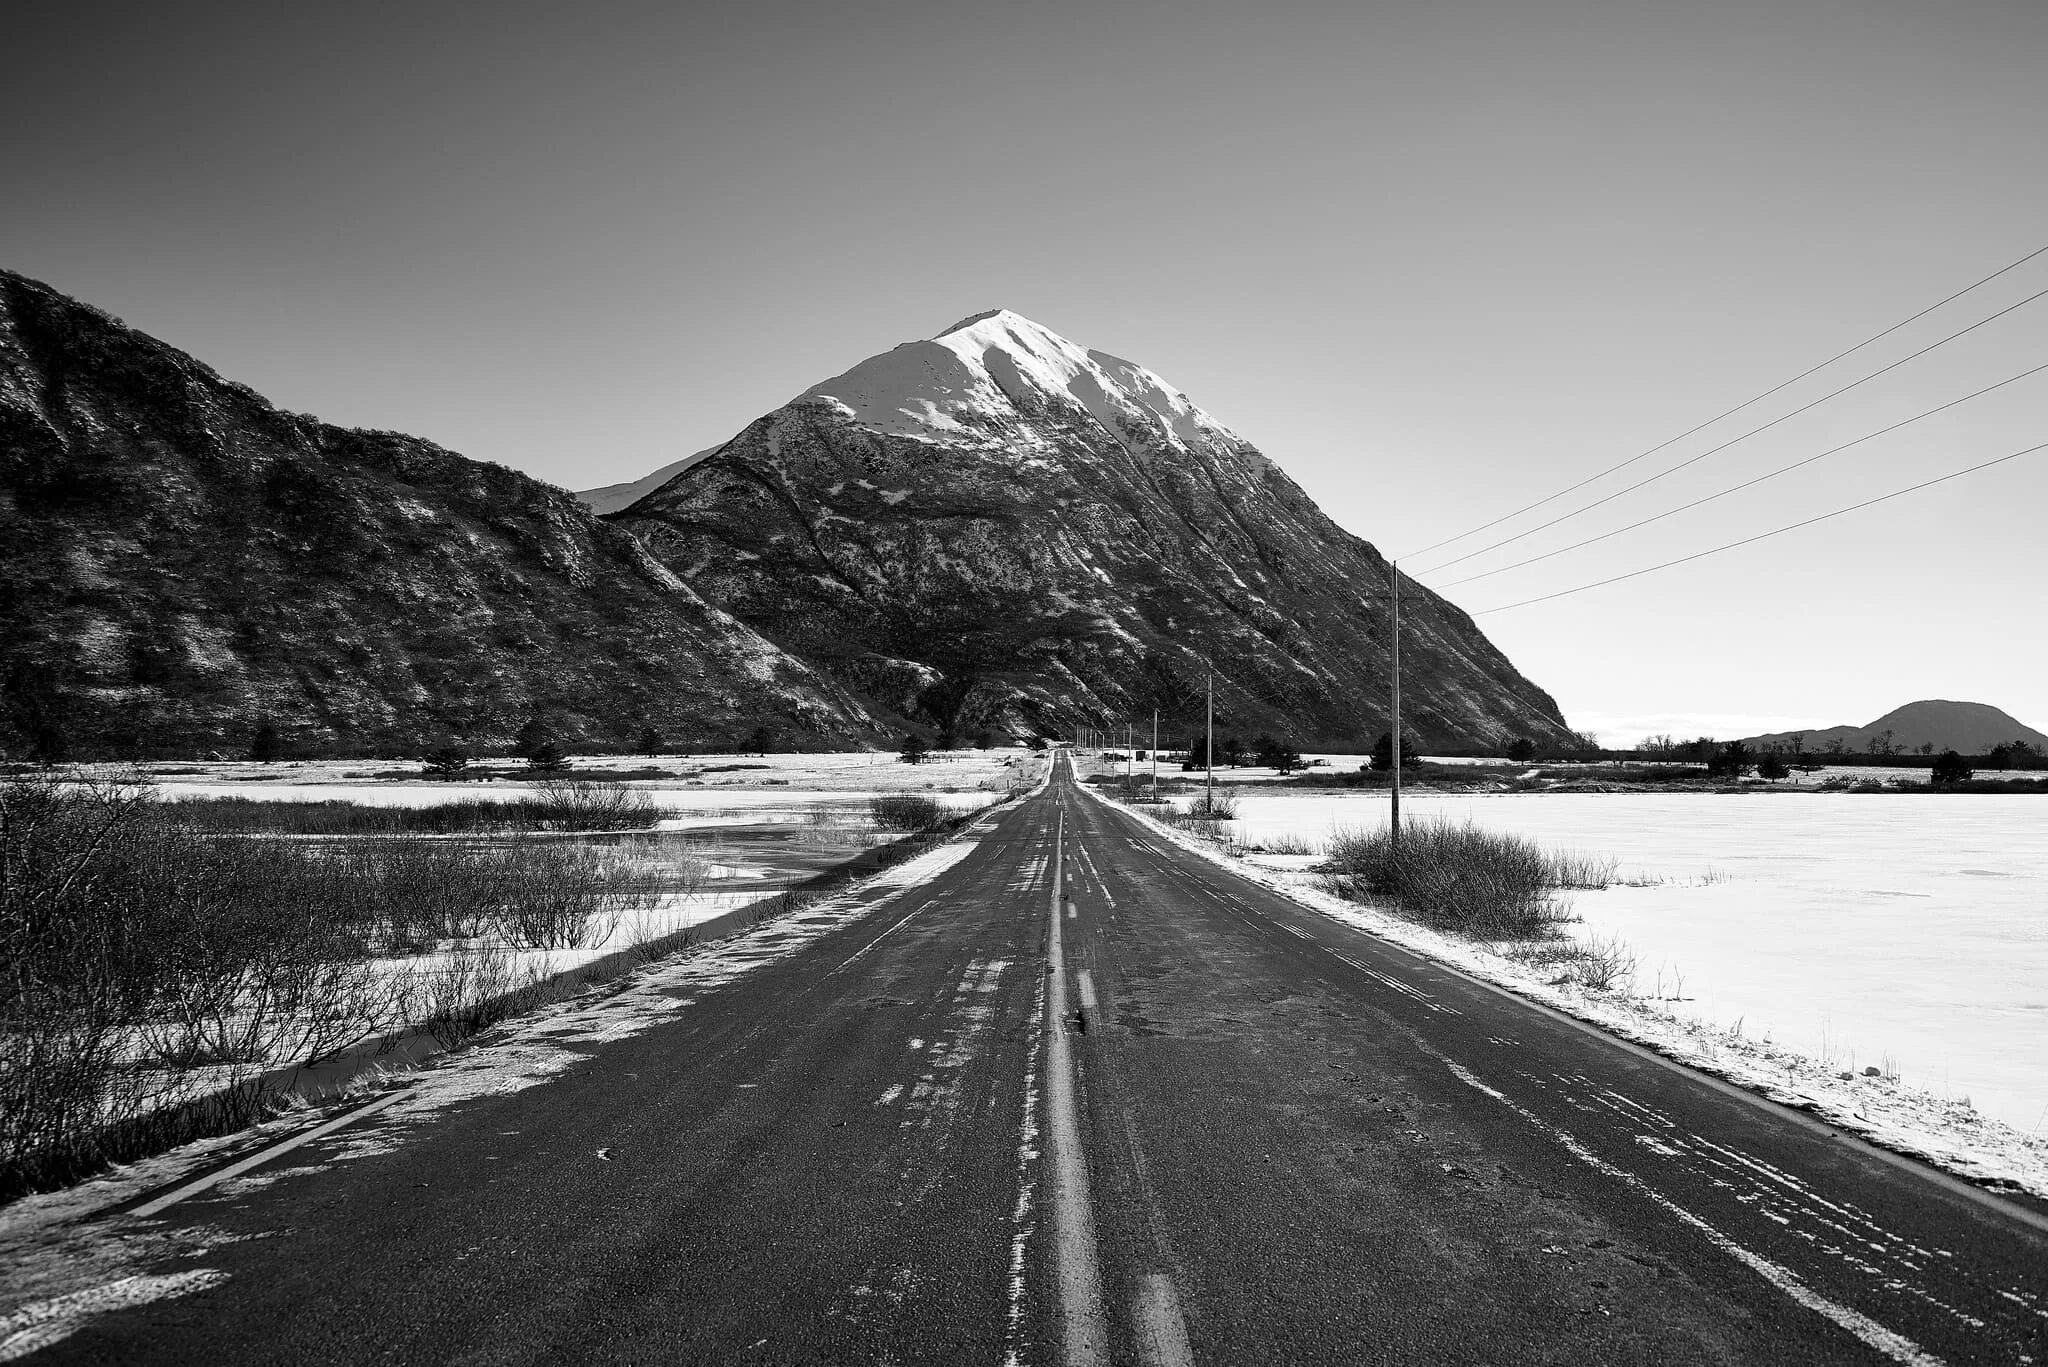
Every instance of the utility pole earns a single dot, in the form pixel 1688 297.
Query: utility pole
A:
pixel 1130 761
pixel 1209 745
pixel 1394 817
pixel 1155 754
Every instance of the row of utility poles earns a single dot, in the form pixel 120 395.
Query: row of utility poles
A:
pixel 1089 737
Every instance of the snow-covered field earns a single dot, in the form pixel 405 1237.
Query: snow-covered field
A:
pixel 707 790
pixel 848 771
pixel 1835 775
pixel 1897 931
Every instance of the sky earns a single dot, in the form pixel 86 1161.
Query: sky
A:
pixel 1438 261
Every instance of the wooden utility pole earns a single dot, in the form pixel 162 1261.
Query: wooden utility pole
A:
pixel 1130 761
pixel 1155 754
pixel 1394 817
pixel 1209 745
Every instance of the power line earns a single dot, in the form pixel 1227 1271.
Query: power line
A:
pixel 1728 413
pixel 1764 536
pixel 1694 460
pixel 1749 483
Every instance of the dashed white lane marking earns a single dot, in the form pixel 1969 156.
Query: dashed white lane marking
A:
pixel 1087 986
pixel 1084 1327
pixel 1162 1333
pixel 1893 1345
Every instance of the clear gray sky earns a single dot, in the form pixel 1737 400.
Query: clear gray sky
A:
pixel 1437 260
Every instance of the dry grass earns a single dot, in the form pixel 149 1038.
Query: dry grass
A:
pixel 557 805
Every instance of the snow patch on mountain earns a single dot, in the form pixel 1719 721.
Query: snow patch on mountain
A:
pixel 993 369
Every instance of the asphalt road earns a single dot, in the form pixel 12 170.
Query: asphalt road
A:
pixel 1084 1097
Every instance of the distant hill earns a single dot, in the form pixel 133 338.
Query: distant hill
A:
pixel 1969 728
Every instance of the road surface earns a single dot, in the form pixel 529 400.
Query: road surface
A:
pixel 1085 1097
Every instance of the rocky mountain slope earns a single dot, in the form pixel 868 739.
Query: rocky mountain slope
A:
pixel 184 563
pixel 1000 528
pixel 1969 728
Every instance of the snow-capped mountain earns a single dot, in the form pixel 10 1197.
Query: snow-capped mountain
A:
pixel 964 382
pixel 999 527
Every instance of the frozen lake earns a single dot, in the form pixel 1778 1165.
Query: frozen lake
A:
pixel 1867 929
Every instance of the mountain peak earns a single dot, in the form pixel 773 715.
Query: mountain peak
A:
pixel 971 319
pixel 1001 371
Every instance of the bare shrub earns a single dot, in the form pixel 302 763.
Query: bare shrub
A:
pixel 560 896
pixel 585 805
pixel 906 811
pixel 1220 805
pixel 1460 878
pixel 136 951
pixel 1598 965
pixel 425 892
pixel 462 992
pixel 1290 843
pixel 1609 964
pixel 1575 869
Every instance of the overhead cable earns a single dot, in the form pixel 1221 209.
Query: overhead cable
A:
pixel 1731 412
pixel 1749 483
pixel 1764 536
pixel 1694 460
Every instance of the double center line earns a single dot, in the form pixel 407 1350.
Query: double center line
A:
pixel 1084 1325
pixel 1155 1317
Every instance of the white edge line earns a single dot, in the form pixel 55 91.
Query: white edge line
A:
pixel 214 1179
pixel 1887 1341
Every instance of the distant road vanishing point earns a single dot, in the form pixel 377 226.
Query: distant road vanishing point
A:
pixel 1085 1098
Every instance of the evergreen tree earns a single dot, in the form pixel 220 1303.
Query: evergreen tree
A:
pixel 914 749
pixel 1772 767
pixel 49 746
pixel 1283 755
pixel 532 737
pixel 649 743
pixel 547 758
pixel 1949 768
pixel 1383 752
pixel 447 762
pixel 761 741
pixel 266 745
pixel 1733 761
pixel 1521 749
